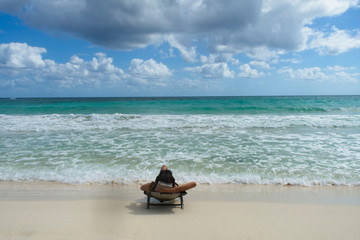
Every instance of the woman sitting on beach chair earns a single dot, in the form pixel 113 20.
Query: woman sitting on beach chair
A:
pixel 165 188
pixel 167 183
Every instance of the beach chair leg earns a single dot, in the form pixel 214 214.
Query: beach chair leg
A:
pixel 148 202
pixel 182 202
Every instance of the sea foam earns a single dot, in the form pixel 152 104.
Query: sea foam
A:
pixel 300 149
pixel 99 122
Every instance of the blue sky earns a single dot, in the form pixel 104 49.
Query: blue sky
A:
pixel 90 48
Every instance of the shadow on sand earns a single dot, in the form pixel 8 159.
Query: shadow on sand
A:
pixel 139 208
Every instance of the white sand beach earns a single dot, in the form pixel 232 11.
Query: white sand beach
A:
pixel 60 211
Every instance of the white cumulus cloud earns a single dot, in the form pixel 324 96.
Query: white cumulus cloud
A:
pixel 247 72
pixel 20 55
pixel 21 64
pixel 313 73
pixel 78 71
pixel 330 73
pixel 146 72
pixel 149 69
pixel 212 70
pixel 260 64
pixel 336 42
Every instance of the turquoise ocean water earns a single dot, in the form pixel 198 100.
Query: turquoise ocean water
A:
pixel 310 140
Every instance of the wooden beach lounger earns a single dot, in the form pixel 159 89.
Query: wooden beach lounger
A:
pixel 165 197
pixel 165 193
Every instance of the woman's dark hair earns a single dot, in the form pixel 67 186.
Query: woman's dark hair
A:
pixel 165 176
